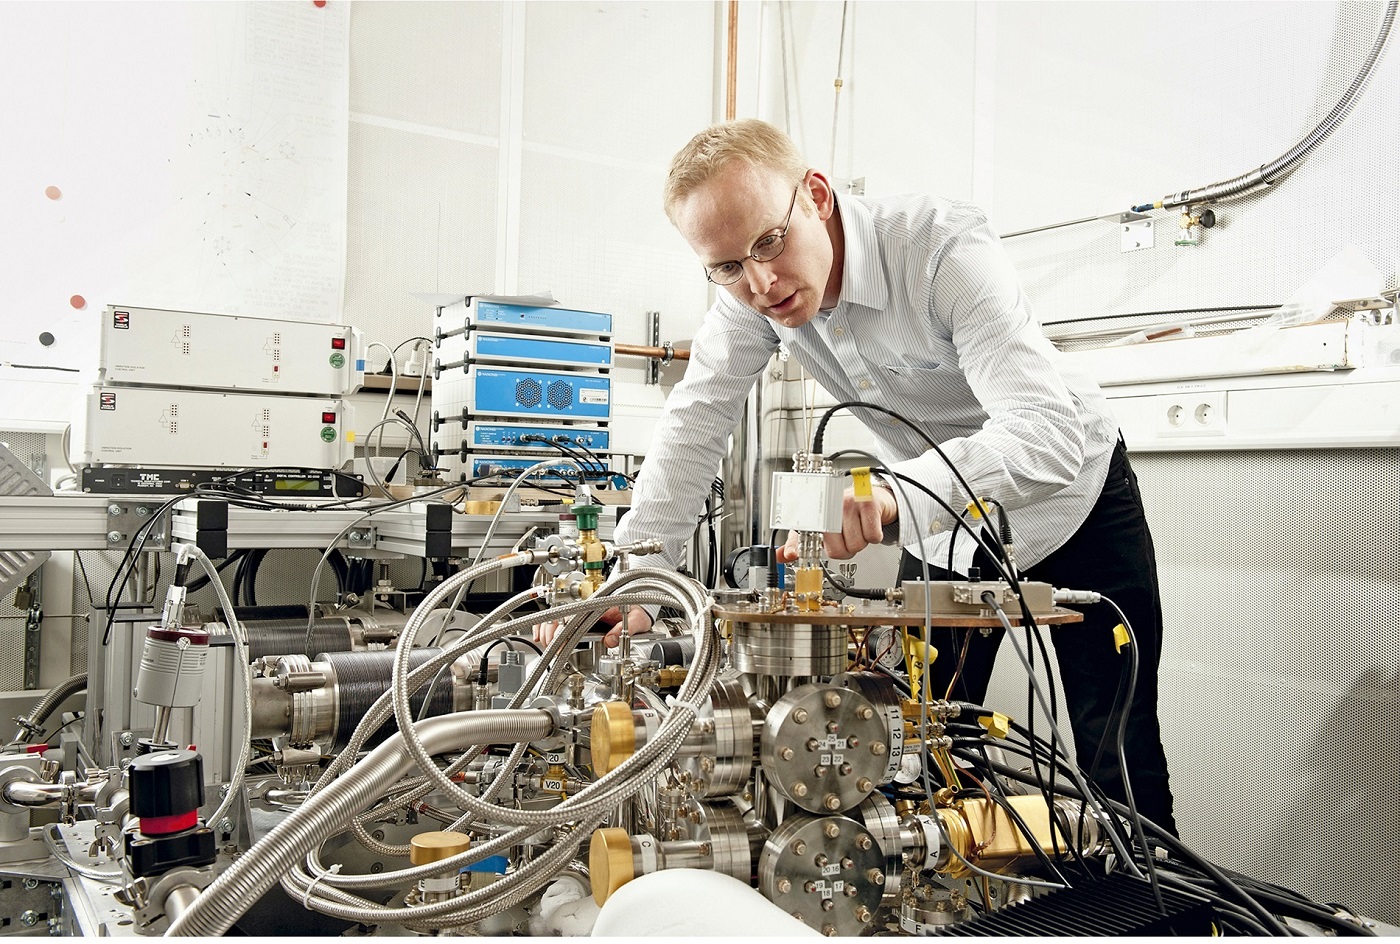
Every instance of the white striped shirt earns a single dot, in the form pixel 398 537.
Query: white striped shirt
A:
pixel 933 324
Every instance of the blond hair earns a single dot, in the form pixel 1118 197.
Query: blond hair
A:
pixel 754 142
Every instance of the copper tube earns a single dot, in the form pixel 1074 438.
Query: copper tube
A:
pixel 731 82
pixel 680 354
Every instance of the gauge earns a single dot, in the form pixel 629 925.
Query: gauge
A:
pixel 882 644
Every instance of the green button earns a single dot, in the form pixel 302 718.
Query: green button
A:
pixel 328 433
pixel 337 360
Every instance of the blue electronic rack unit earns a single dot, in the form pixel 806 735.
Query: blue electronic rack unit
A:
pixel 507 370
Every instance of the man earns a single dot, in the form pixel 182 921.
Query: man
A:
pixel 910 303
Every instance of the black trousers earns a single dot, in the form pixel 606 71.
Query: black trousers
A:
pixel 1111 553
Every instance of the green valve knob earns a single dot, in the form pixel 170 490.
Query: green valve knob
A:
pixel 587 516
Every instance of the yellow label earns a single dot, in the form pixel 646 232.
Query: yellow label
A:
pixel 1120 637
pixel 860 480
pixel 997 724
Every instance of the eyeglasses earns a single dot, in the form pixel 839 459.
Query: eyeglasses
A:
pixel 766 249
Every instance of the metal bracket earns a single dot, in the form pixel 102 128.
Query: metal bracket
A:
pixel 125 517
pixel 1135 234
pixel 654 339
pixel 361 537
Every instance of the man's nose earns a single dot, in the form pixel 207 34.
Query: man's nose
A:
pixel 759 275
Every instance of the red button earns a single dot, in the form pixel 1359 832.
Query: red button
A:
pixel 338 344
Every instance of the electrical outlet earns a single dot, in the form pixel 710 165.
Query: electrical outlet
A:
pixel 1197 413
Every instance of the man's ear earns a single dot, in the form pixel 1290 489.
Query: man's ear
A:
pixel 822 195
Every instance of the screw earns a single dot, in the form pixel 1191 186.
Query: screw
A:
pixel 878 748
pixel 847 862
pixel 799 847
pixel 377 835
pixel 829 930
pixel 865 712
pixel 786 753
pixel 376 867
pixel 29 918
pixel 831 830
pixel 832 727
pixel 863 914
pixel 799 789
pixel 800 716
pixel 853 742
pixel 832 699
pixel 127 739
pixel 828 904
pixel 142 511
pixel 862 842
pixel 114 510
pixel 850 891
pixel 875 876
pixel 31 883
pixel 809 887
pixel 225 825
pixel 832 802
pixel 821 859
pixel 813 744
pixel 114 537
pixel 865 785
pixel 784 886
pixel 819 770
pixel 845 770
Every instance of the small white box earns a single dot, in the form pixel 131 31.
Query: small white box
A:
pixel 807 501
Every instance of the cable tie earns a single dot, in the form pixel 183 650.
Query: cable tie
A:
pixel 306 896
pixel 694 707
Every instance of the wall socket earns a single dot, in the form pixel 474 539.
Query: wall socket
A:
pixel 1199 413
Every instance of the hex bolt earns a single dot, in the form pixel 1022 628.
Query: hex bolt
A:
pixel 813 744
pixel 799 789
pixel 832 802
pixel 847 862
pixel 877 748
pixel 828 904
pixel 800 715
pixel 829 930
pixel 865 785
pixel 799 848
pixel 786 753
pixel 127 739
pixel 862 842
pixel 865 712
pixel 863 914
pixel 225 825
pixel 832 699
pixel 831 830
pixel 29 918
pixel 875 876
pixel 784 886
pixel 821 859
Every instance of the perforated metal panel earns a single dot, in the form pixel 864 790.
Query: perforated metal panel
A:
pixel 1136 121
pixel 27 447
pixel 1280 681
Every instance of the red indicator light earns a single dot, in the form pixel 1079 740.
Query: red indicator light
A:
pixel 327 417
pixel 337 344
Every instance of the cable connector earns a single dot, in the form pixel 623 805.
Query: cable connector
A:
pixel 1077 597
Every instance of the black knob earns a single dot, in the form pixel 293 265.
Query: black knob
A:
pixel 166 783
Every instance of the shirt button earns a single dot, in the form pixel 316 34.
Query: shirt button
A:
pixel 838 331
pixel 864 385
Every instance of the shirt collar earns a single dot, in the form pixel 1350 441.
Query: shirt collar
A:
pixel 862 272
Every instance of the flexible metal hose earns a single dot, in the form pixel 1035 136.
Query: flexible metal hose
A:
pixel 244 882
pixel 1285 164
pixel 31 723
